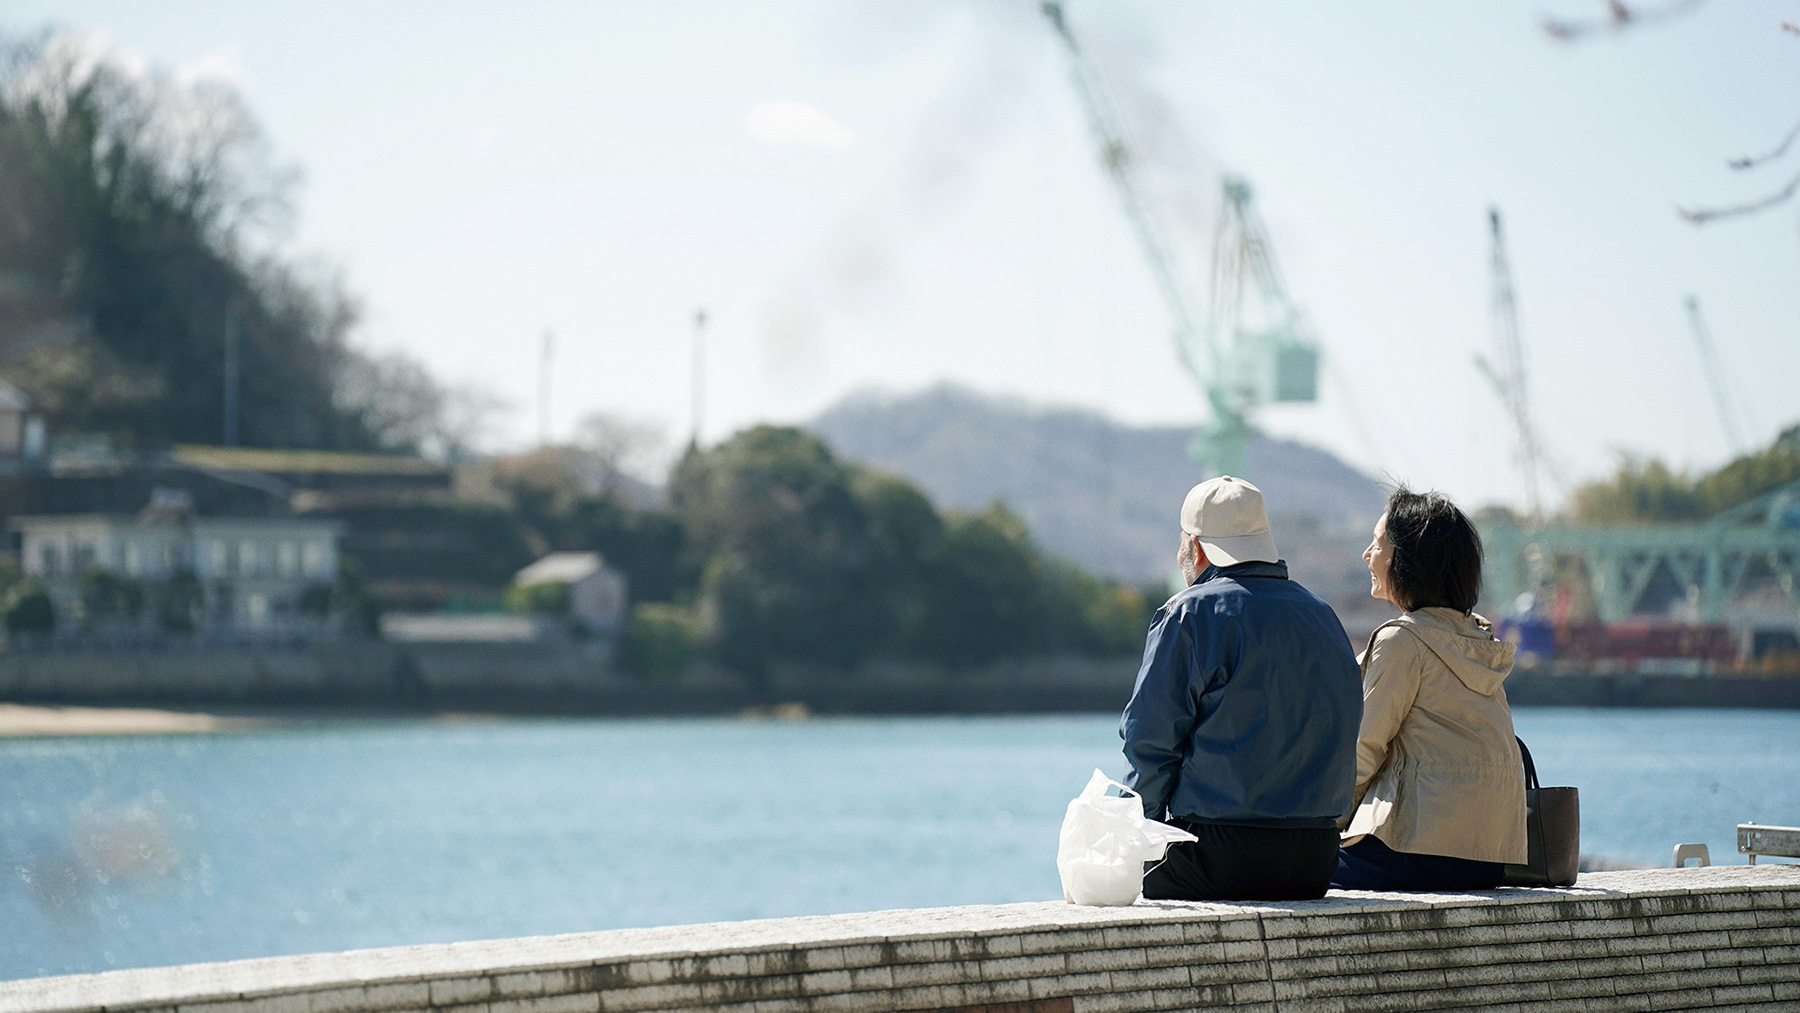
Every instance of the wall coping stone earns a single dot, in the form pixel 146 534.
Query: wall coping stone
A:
pixel 1729 899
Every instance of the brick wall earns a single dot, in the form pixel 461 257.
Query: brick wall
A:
pixel 1726 937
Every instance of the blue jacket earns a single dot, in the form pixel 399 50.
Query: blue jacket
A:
pixel 1247 706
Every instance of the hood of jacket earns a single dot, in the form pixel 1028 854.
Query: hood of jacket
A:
pixel 1466 645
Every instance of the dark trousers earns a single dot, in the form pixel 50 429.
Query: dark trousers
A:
pixel 1244 863
pixel 1371 865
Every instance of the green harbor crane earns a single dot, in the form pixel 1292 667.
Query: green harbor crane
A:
pixel 1256 347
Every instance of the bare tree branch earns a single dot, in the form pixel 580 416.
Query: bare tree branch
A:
pixel 1700 216
pixel 1618 18
pixel 1751 161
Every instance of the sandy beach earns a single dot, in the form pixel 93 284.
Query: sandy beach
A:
pixel 30 721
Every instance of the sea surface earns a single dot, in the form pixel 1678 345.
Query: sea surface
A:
pixel 123 852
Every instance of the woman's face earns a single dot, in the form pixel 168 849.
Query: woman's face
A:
pixel 1380 557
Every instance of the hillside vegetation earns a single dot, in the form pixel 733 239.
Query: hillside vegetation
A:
pixel 1647 491
pixel 138 222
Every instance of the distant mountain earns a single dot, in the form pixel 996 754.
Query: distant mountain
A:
pixel 1100 493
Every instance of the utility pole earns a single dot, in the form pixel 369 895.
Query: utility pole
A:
pixel 699 378
pixel 544 393
pixel 231 373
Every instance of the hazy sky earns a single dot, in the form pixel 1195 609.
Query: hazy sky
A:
pixel 890 194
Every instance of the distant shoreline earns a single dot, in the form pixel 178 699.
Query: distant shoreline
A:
pixel 215 691
pixel 43 718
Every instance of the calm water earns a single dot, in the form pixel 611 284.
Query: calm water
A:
pixel 172 849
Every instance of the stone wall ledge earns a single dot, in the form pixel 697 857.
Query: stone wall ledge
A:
pixel 1720 937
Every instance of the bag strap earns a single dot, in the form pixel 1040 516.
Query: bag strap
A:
pixel 1531 778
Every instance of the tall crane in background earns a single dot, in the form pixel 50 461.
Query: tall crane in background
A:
pixel 1240 360
pixel 1270 354
pixel 1715 376
pixel 1508 375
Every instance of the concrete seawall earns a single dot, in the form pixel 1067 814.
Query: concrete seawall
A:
pixel 545 677
pixel 1726 937
pixel 569 678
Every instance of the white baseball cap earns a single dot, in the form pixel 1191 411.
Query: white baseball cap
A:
pixel 1228 516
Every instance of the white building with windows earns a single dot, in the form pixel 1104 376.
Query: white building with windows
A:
pixel 254 575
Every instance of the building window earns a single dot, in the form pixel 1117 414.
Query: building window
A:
pixel 217 558
pixel 82 557
pixel 150 558
pixel 249 559
pixel 48 559
pixel 287 559
pixel 256 610
pixel 134 559
pixel 316 560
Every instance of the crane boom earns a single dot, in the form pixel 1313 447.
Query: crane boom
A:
pixel 1508 377
pixel 1241 247
pixel 1715 375
pixel 1117 155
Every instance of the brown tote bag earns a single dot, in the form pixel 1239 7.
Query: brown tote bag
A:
pixel 1552 833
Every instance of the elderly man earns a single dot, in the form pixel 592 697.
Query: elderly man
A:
pixel 1242 725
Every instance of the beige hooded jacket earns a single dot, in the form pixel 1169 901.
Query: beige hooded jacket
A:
pixel 1437 768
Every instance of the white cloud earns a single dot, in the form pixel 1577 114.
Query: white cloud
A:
pixel 796 123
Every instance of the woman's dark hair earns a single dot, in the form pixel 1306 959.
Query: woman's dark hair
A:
pixel 1436 552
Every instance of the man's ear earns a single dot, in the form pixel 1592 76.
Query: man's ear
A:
pixel 1199 552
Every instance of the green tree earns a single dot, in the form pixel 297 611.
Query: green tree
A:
pixel 1642 492
pixel 789 566
pixel 987 594
pixel 107 598
pixel 1639 492
pixel 548 599
pixel 904 532
pixel 23 603
pixel 1752 475
pixel 1096 617
pixel 179 601
pixel 659 640
pixel 28 610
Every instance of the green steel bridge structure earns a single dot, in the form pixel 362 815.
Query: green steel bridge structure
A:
pixel 1713 561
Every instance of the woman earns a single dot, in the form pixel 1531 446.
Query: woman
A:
pixel 1440 794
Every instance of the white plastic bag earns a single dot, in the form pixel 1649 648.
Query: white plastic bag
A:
pixel 1105 842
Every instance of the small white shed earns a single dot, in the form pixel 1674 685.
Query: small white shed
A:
pixel 596 591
